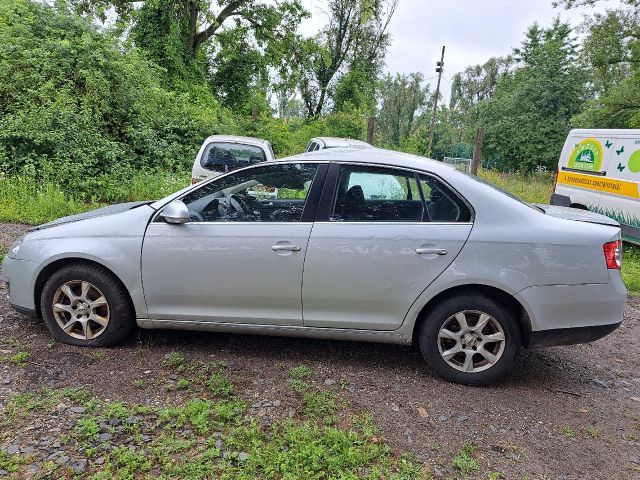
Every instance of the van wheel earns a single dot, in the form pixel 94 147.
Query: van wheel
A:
pixel 85 305
pixel 470 339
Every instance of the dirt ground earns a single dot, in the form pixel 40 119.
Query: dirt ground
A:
pixel 564 412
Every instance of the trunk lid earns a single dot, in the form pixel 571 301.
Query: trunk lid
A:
pixel 577 215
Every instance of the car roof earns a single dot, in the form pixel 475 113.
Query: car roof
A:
pixel 605 131
pixel 237 139
pixel 340 142
pixel 373 155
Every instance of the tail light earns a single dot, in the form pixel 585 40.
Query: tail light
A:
pixel 194 181
pixel 613 254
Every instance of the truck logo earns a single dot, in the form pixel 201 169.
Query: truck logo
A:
pixel 587 155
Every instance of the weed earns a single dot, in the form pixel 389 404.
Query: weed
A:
pixel 183 384
pixel 20 359
pixel 174 360
pixel 568 432
pixel 230 411
pixel 464 461
pixel 219 385
pixel 300 386
pixel 87 428
pixel 593 432
pixel 300 372
pixel 97 355
pixel 496 475
pixel 138 383
pixel 320 405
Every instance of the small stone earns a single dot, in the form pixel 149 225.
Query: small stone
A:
pixel 329 382
pixel 3 473
pixel 243 456
pixel 422 412
pixel 13 449
pixel 145 438
pixel 99 461
pixel 635 399
pixel 276 403
pixel 114 422
pixel 104 437
pixel 443 418
pixel 262 412
pixel 634 459
pixel 62 460
pixel 219 444
pixel 77 409
pixel 600 383
pixel 80 466
pixel 395 407
pixel 147 372
pixel 173 377
pixel 33 468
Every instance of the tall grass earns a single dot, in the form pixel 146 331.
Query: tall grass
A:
pixel 532 187
pixel 27 200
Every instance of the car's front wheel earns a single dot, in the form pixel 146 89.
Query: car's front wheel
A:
pixel 84 304
pixel 470 339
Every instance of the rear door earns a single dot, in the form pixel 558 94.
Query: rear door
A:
pixel 382 235
pixel 620 195
pixel 583 165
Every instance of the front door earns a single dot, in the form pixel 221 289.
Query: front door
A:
pixel 388 233
pixel 240 257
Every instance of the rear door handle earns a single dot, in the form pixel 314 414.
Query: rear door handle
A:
pixel 286 248
pixel 431 251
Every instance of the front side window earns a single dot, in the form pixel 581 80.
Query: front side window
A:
pixel 227 156
pixel 273 193
pixel 372 194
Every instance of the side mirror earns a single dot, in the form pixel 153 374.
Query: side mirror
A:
pixel 175 212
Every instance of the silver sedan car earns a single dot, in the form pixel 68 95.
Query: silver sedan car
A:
pixel 351 244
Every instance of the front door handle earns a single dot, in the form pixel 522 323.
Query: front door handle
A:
pixel 286 248
pixel 431 251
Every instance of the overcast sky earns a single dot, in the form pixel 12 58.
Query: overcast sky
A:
pixel 472 30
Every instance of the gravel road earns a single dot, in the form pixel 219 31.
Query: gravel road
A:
pixel 564 413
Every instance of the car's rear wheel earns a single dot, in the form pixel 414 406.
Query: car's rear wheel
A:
pixel 84 304
pixel 470 339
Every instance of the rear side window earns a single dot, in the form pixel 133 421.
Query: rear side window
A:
pixel 379 194
pixel 227 156
pixel 441 203
pixel 372 194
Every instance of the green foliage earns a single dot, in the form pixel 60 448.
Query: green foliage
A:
pixel 220 385
pixel 464 461
pixel 174 360
pixel 528 117
pixel 19 359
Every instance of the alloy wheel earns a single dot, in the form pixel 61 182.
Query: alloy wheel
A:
pixel 81 310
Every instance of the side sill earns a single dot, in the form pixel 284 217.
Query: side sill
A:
pixel 279 330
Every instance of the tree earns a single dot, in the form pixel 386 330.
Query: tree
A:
pixel 175 33
pixel 403 99
pixel 356 34
pixel 528 117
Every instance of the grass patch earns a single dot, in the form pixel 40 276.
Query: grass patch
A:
pixel 532 187
pixel 568 432
pixel 593 432
pixel 631 268
pixel 464 462
pixel 174 360
pixel 19 359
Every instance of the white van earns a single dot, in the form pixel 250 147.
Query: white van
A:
pixel 223 153
pixel 599 170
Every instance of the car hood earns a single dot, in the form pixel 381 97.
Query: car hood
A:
pixel 99 212
pixel 577 214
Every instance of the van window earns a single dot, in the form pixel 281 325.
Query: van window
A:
pixel 227 156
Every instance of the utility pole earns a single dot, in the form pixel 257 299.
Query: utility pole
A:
pixel 439 70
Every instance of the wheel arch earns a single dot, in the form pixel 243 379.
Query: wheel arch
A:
pixel 45 273
pixel 503 297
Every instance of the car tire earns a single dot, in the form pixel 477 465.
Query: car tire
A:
pixel 447 345
pixel 86 305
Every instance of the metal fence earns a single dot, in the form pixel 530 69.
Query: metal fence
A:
pixel 462 164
